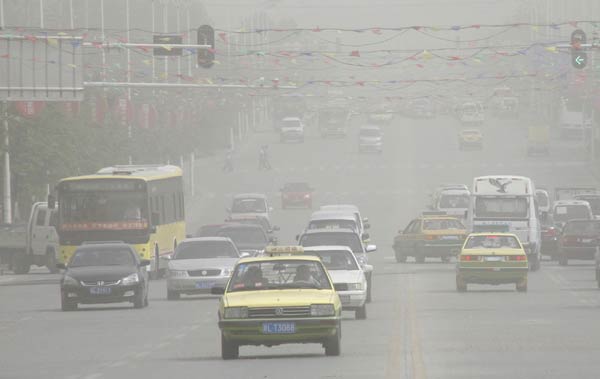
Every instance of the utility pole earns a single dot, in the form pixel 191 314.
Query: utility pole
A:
pixel 128 31
pixel 7 198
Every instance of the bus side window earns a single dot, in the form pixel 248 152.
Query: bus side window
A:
pixel 40 219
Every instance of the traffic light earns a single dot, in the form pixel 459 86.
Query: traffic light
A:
pixel 578 54
pixel 206 36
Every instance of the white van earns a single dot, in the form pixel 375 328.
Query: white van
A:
pixel 363 223
pixel 453 202
pixel 507 203
pixel 565 210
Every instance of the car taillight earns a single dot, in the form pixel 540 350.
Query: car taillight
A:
pixel 470 258
pixel 307 196
pixel 517 258
pixel 550 232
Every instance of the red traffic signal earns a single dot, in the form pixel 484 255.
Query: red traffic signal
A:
pixel 206 36
pixel 578 55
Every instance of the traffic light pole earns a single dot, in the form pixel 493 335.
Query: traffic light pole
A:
pixel 7 201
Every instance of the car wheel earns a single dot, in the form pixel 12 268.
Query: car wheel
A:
pixel 369 287
pixel 333 346
pixel 173 295
pixel 361 313
pixel 229 350
pixel 461 285
pixel 400 256
pixel 522 285
pixel 138 302
pixel 67 305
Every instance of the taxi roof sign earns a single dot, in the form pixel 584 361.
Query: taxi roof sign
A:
pixel 283 250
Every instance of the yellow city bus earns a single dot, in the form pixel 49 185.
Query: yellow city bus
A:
pixel 139 205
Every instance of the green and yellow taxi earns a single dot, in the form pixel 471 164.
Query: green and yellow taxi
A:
pixel 432 235
pixel 492 258
pixel 278 298
pixel 470 139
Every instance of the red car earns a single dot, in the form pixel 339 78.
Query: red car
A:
pixel 579 240
pixel 296 195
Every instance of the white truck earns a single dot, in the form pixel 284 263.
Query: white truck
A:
pixel 33 243
pixel 507 203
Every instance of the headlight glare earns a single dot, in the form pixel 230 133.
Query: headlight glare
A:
pixel 236 312
pixel 319 310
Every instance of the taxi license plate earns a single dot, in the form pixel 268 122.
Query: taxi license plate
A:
pixel 493 259
pixel 204 285
pixel 100 291
pixel 279 328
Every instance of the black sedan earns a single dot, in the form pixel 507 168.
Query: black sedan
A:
pixel 100 273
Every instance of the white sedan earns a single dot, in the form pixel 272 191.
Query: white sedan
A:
pixel 347 276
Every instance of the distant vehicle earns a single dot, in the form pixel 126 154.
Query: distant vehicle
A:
pixel 348 277
pixel 200 264
pixel 579 240
pixel 381 115
pixel 370 138
pixel 573 121
pixel 492 258
pixel 106 272
pixel 34 243
pixel 506 204
pixel 342 237
pixel 566 210
pixel 333 220
pixel 209 230
pixel 453 202
pixel 593 200
pixel 470 139
pixel 333 121
pixel 435 195
pixel 538 139
pixel 248 238
pixel 261 221
pixel 363 222
pixel 296 194
pixel 505 106
pixel 543 201
pixel 429 237
pixel 420 108
pixel 472 113
pixel 142 205
pixel 291 130
pixel 249 205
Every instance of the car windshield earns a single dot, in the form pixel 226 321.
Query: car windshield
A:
pixel 296 187
pixel 249 205
pixel 442 225
pixel 290 124
pixel 245 235
pixel 205 249
pixel 454 201
pixel 278 275
pixel 492 242
pixel 564 213
pixel 582 228
pixel 501 207
pixel 260 221
pixel 332 224
pixel 208 230
pixel 336 259
pixel 118 256
pixel 350 240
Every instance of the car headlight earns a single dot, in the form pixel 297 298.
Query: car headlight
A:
pixel 70 281
pixel 236 312
pixel 226 272
pixel 355 286
pixel 131 279
pixel 318 310
pixel 177 274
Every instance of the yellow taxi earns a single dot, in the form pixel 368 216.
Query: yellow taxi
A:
pixel 281 297
pixel 492 258
pixel 432 235
pixel 470 139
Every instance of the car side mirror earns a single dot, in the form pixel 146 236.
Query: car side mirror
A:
pixel 371 248
pixel 217 291
pixel 61 266
pixel 273 240
pixel 245 254
pixel 367 226
pixel 297 237
pixel 365 236
pixel 144 262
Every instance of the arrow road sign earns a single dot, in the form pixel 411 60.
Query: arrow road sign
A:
pixel 579 60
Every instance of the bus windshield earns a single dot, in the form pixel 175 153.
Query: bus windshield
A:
pixel 501 207
pixel 103 210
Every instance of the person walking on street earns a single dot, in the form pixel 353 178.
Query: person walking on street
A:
pixel 228 166
pixel 263 160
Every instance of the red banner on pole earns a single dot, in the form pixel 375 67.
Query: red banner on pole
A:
pixel 30 109
pixel 146 116
pixel 124 111
pixel 98 111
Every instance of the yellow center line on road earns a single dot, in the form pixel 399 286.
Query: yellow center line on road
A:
pixel 405 356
